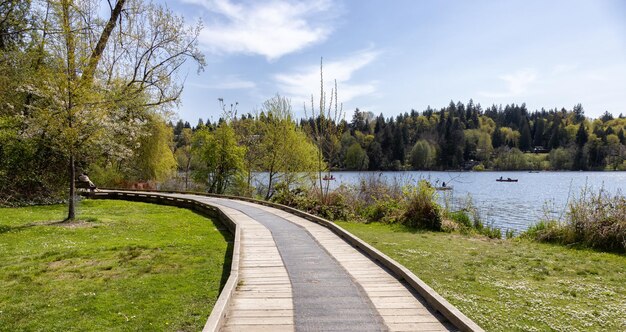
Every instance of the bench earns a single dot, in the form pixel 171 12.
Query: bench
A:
pixel 84 186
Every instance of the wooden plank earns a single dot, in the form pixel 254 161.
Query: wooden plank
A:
pixel 277 320
pixel 262 313
pixel 259 328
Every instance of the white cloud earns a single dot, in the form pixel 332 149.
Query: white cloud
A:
pixel 563 68
pixel 271 29
pixel 229 83
pixel 517 84
pixel 299 85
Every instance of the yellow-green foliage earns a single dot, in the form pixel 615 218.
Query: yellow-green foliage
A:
pixel 155 159
pixel 511 159
pixel 561 158
pixel 423 155
pixel 221 158
pixel 487 124
pixel 284 150
pixel 480 140
pixel 511 136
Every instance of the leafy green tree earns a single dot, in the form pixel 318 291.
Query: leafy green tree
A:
pixel 356 158
pixel 556 134
pixel 221 160
pixel 154 159
pixel 248 136
pixel 423 155
pixel 511 136
pixel 525 141
pixel 594 149
pixel 479 143
pixel 496 137
pixel 580 162
pixel 561 159
pixel 578 114
pixel 375 156
pixel 82 92
pixel 616 152
pixel 284 148
pixel 398 144
pixel 183 153
pixel 510 159
pixel 538 132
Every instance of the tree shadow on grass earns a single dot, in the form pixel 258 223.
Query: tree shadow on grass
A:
pixel 229 238
pixel 63 223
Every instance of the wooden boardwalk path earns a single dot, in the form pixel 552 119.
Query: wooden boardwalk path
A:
pixel 297 275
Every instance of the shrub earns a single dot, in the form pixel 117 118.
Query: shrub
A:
pixel 422 210
pixel 595 220
pixel 478 168
pixel 549 231
pixel 384 210
pixel 598 220
pixel 308 201
pixel 106 176
pixel 491 232
pixel 461 218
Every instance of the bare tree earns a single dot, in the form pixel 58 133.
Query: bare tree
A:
pixel 324 128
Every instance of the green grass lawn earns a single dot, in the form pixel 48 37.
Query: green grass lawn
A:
pixel 125 266
pixel 513 285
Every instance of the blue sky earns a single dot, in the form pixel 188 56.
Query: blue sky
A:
pixel 393 56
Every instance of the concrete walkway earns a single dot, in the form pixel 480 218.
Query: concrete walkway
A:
pixel 298 275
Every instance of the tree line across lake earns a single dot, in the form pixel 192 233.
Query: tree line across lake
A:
pixel 459 136
pixel 83 92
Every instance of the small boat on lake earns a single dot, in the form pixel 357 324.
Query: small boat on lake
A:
pixel 506 180
pixel 443 188
pixel 328 178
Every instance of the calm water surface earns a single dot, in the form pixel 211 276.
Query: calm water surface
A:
pixel 508 205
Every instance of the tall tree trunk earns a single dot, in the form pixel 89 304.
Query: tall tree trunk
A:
pixel 71 77
pixel 71 214
pixel 269 185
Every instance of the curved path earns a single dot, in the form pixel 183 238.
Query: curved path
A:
pixel 296 275
pixel 325 297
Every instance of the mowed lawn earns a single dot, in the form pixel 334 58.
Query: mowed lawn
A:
pixel 513 285
pixel 125 266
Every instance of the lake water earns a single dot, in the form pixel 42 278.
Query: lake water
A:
pixel 508 205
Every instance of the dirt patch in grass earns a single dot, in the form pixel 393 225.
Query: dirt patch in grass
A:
pixel 74 224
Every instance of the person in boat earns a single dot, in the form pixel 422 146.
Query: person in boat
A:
pixel 500 177
pixel 443 184
pixel 508 179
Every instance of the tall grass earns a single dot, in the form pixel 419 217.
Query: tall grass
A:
pixel 595 219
